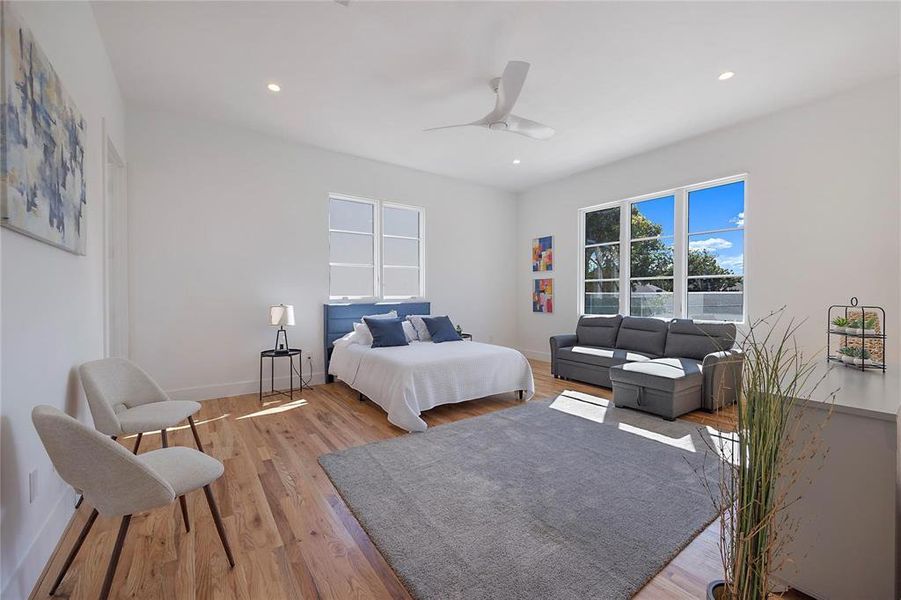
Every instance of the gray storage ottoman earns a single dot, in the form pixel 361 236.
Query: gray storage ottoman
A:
pixel 668 387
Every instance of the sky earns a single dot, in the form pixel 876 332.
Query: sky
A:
pixel 713 208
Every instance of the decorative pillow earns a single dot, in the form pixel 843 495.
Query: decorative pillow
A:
pixel 349 338
pixel 388 315
pixel 410 331
pixel 441 329
pixel 386 332
pixel 422 332
pixel 365 337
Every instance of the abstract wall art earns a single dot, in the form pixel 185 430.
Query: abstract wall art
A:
pixel 543 253
pixel 42 145
pixel 543 296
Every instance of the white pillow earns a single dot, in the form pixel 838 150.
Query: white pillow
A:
pixel 347 339
pixel 421 330
pixel 387 315
pixel 410 331
pixel 362 330
pixel 363 334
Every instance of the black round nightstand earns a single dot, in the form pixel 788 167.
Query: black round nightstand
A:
pixel 290 353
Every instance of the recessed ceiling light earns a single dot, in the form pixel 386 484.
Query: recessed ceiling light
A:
pixel 516 161
pixel 726 75
pixel 274 87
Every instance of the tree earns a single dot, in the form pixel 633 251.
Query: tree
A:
pixel 654 258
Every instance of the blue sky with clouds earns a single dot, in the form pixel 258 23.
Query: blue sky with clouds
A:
pixel 720 207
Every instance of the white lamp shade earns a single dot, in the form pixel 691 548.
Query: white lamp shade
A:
pixel 281 315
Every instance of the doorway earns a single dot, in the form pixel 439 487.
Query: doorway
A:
pixel 116 336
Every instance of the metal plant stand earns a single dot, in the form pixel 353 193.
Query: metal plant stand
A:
pixel 865 341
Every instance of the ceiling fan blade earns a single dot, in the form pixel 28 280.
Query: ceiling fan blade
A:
pixel 528 128
pixel 447 127
pixel 509 87
pixel 480 123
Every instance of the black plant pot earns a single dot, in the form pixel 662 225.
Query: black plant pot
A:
pixel 715 589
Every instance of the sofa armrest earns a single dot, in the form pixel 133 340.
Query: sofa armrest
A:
pixel 722 378
pixel 567 340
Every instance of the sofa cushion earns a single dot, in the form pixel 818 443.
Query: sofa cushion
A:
pixel 598 331
pixel 645 335
pixel 600 357
pixel 665 374
pixel 687 339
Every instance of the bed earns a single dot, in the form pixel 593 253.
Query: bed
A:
pixel 407 380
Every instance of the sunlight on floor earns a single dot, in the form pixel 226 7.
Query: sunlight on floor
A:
pixel 581 405
pixel 683 443
pixel 275 409
pixel 725 444
pixel 171 429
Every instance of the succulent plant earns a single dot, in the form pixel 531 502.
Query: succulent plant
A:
pixel 854 323
pixel 840 322
pixel 870 323
pixel 847 351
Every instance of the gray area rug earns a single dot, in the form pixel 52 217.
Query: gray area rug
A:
pixel 553 499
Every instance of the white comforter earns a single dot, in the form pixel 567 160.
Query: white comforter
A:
pixel 406 380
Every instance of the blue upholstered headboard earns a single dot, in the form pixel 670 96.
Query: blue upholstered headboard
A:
pixel 339 319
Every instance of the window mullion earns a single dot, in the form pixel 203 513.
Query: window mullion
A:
pixel 625 256
pixel 378 243
pixel 680 256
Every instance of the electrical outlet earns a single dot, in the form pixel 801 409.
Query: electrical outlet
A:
pixel 32 486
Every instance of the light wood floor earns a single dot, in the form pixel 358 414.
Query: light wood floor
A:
pixel 292 535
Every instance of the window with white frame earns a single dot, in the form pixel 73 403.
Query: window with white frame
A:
pixel 375 249
pixel 679 253
pixel 602 259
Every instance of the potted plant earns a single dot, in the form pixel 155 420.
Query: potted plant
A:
pixel 855 326
pixel 761 462
pixel 869 325
pixel 847 354
pixel 839 324
pixel 862 357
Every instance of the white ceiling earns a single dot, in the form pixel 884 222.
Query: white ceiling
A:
pixel 613 78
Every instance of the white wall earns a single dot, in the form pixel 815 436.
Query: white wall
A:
pixel 822 211
pixel 224 222
pixel 52 306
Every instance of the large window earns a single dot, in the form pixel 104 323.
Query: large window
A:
pixel 651 257
pixel 375 249
pixel 601 289
pixel 716 252
pixel 678 253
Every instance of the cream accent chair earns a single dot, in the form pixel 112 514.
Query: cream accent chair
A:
pixel 124 400
pixel 118 483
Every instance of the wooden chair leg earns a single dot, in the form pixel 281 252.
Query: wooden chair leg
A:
pixel 217 518
pixel 137 443
pixel 74 551
pixel 114 559
pixel 78 502
pixel 184 513
pixel 196 437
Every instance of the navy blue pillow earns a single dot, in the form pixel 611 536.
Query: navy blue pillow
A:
pixel 441 329
pixel 386 332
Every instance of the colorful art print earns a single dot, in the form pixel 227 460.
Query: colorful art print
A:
pixel 543 253
pixel 543 296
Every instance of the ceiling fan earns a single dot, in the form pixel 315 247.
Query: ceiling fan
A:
pixel 507 87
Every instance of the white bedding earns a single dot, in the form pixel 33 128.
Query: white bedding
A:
pixel 406 380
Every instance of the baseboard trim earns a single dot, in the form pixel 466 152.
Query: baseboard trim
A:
pixel 236 388
pixel 23 581
pixel 536 354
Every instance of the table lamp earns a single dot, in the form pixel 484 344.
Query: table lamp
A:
pixel 281 315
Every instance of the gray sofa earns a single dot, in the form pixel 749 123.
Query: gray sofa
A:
pixel 666 368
